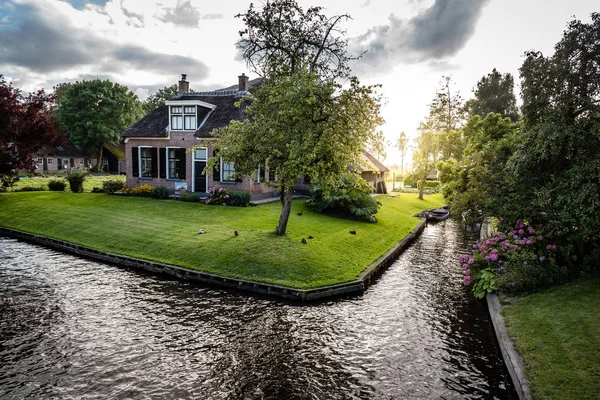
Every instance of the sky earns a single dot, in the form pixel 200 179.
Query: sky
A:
pixel 409 44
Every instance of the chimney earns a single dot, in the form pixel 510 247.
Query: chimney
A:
pixel 184 86
pixel 243 83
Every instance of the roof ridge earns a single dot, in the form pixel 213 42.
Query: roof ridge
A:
pixel 237 93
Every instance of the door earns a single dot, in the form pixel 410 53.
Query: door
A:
pixel 59 163
pixel 45 164
pixel 200 181
pixel 72 162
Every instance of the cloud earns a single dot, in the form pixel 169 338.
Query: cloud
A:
pixel 46 41
pixel 186 15
pixel 434 34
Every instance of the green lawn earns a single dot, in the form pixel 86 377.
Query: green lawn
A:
pixel 558 334
pixel 167 231
pixel 89 183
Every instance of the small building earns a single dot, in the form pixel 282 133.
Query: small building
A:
pixel 372 171
pixel 113 158
pixel 61 159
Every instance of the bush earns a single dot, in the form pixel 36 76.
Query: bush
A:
pixel 112 186
pixel 30 189
pixel 191 197
pixel 160 193
pixel 217 195
pixel 144 190
pixel 238 198
pixel 57 185
pixel 522 259
pixel 97 189
pixel 352 196
pixel 76 176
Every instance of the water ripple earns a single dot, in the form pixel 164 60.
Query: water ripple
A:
pixel 80 329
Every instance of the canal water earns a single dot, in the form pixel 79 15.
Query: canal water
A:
pixel 72 329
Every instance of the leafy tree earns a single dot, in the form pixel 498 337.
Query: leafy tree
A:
pixel 494 94
pixel 95 112
pixel 555 169
pixel 377 145
pixel 26 127
pixel 426 156
pixel 302 126
pixel 402 145
pixel 281 37
pixel 158 98
pixel 300 121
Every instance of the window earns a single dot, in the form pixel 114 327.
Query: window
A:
pixel 201 154
pixel 105 161
pixel 65 163
pixel 183 118
pixel 146 162
pixel 40 160
pixel 173 163
pixel 49 161
pixel 227 171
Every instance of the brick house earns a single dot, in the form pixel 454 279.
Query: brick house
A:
pixel 158 147
pixel 61 159
pixel 372 171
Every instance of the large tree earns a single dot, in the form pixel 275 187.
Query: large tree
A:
pixel 556 164
pixel 158 98
pixel 95 112
pixel 494 94
pixel 300 121
pixel 402 145
pixel 26 127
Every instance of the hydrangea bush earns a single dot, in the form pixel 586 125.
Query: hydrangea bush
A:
pixel 217 195
pixel 519 260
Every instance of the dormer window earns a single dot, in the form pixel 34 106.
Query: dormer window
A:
pixel 183 118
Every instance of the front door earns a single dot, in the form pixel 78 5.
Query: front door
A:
pixel 59 163
pixel 72 162
pixel 199 179
pixel 45 164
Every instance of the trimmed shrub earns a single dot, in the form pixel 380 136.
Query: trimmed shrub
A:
pixel 352 196
pixel 30 189
pixel 217 195
pixel 76 176
pixel 191 197
pixel 57 185
pixel 160 193
pixel 112 186
pixel 97 189
pixel 238 198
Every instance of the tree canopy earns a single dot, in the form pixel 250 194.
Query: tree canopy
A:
pixel 26 127
pixel 95 112
pixel 158 98
pixel 494 94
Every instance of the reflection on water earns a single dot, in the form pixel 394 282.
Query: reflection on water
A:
pixel 78 328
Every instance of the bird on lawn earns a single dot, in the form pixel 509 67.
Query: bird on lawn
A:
pixel 304 241
pixel 300 213
pixel 311 237
pixel 353 232
pixel 235 233
pixel 201 231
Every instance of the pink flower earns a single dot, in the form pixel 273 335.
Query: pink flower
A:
pixel 468 272
pixel 465 266
pixel 471 261
pixel 467 280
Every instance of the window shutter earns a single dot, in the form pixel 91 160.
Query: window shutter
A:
pixel 135 161
pixel 162 162
pixel 181 154
pixel 154 155
pixel 216 172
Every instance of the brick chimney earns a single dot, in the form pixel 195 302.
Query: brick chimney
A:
pixel 243 83
pixel 184 86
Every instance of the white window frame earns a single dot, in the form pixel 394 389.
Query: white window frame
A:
pixel 40 160
pixel 49 161
pixel 188 103
pixel 222 170
pixel 195 189
pixel 167 164
pixel 103 159
pixel 140 162
pixel 66 163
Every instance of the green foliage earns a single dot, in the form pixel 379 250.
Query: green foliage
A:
pixel 160 193
pixel 351 196
pixel 113 186
pixel 30 189
pixel 57 185
pixel 158 98
pixel 238 198
pixel 94 112
pixel 494 94
pixel 486 283
pixel 191 197
pixel 75 177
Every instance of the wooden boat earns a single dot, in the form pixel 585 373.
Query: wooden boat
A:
pixel 437 214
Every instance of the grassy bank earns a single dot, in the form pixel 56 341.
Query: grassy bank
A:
pixel 90 182
pixel 558 334
pixel 167 231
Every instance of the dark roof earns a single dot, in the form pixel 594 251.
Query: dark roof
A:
pixel 252 82
pixel 154 124
pixel 117 150
pixel 369 163
pixel 67 149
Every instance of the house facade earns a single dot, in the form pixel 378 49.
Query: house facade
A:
pixel 60 159
pixel 372 171
pixel 171 145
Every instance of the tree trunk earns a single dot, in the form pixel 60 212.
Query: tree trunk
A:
pixel 285 211
pixel 422 189
pixel 99 159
